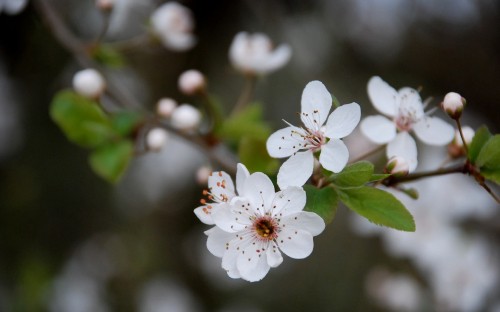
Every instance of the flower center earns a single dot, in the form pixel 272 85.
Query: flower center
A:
pixel 266 228
pixel 404 122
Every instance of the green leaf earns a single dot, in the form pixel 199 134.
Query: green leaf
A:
pixel 126 122
pixel 253 153
pixel 354 175
pixel 108 56
pixel 336 102
pixel 247 123
pixel 323 201
pixel 480 138
pixel 491 174
pixel 379 207
pixel 82 120
pixel 379 176
pixel 489 155
pixel 110 161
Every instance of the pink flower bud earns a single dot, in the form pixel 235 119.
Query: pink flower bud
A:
pixel 186 117
pixel 397 165
pixel 105 5
pixel 453 104
pixel 166 107
pixel 192 82
pixel 89 83
pixel 156 139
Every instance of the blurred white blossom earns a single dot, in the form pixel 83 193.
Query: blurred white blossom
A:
pixel 186 117
pixel 173 24
pixel 89 83
pixel 191 82
pixel 12 7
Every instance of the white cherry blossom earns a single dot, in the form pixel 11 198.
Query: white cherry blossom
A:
pixel 254 54
pixel 173 24
pixel 405 112
pixel 300 143
pixel 220 192
pixel 250 236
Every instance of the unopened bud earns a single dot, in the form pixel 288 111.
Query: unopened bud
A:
pixel 202 175
pixel 105 5
pixel 456 147
pixel 398 166
pixel 186 117
pixel 453 104
pixel 156 139
pixel 166 107
pixel 192 82
pixel 89 83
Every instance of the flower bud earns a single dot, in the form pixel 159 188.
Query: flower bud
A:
pixel 192 82
pixel 202 175
pixel 89 83
pixel 186 117
pixel 456 147
pixel 105 5
pixel 453 104
pixel 156 139
pixel 398 166
pixel 166 107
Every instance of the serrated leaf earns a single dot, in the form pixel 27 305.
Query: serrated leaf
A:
pixel 108 56
pixel 323 202
pixel 253 153
pixel 125 123
pixel 247 123
pixel 82 120
pixel 489 155
pixel 379 207
pixel 354 175
pixel 111 160
pixel 480 138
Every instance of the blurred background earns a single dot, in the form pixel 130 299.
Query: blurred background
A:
pixel 71 242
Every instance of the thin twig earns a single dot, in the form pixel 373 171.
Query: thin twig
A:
pixel 393 180
pixel 459 126
pixel 246 95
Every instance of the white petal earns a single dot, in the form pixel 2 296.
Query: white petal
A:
pixel 290 200
pixel 404 146
pixel 252 263
pixel 285 142
pixel 259 190
pixel 296 170
pixel 232 251
pixel 315 105
pixel 410 103
pixel 295 243
pixel 13 7
pixel 334 155
pixel 274 257
pixel 204 214
pixel 304 220
pixel 241 175
pixel 378 129
pixel 343 120
pixel 434 131
pixel 217 241
pixel 228 220
pixel 221 186
pixel 383 97
pixel 277 59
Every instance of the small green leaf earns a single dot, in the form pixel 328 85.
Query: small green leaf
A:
pixel 82 120
pixel 126 122
pixel 379 207
pixel 491 174
pixel 336 102
pixel 253 153
pixel 379 176
pixel 480 138
pixel 323 201
pixel 354 175
pixel 108 56
pixel 489 155
pixel 110 161
pixel 248 123
pixel 411 192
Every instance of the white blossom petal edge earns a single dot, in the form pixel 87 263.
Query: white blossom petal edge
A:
pixel 250 236
pixel 314 136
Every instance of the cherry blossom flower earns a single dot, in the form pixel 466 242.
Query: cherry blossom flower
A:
pixel 254 54
pixel 300 143
pixel 173 24
pixel 405 112
pixel 250 234
pixel 220 192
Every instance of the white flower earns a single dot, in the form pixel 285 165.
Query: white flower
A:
pixel 89 83
pixel 173 24
pixel 254 54
pixel 453 104
pixel 191 82
pixel 301 143
pixel 220 192
pixel 156 138
pixel 250 234
pixel 165 107
pixel 186 117
pixel 397 165
pixel 406 112
pixel 12 7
